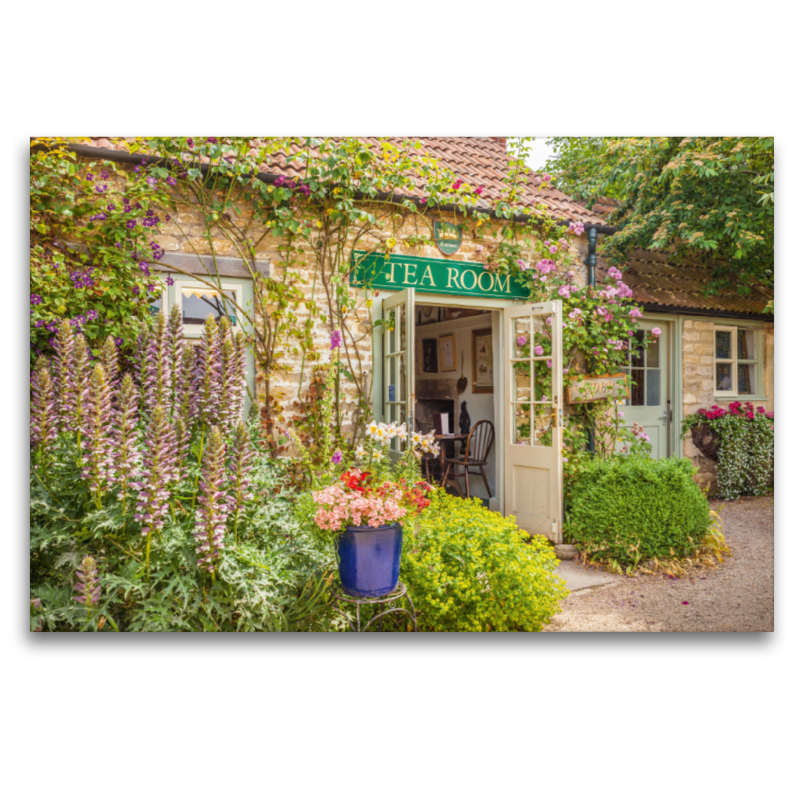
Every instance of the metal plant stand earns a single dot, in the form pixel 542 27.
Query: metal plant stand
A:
pixel 395 603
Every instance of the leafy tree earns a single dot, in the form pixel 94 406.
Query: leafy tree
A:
pixel 709 199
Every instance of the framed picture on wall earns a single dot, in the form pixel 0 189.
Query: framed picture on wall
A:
pixel 430 355
pixel 482 361
pixel 428 315
pixel 447 353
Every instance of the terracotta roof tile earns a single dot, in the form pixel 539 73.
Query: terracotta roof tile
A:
pixel 479 160
pixel 657 279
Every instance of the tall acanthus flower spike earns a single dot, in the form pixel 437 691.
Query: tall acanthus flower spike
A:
pixel 110 361
pixel 126 454
pixel 182 377
pixel 88 584
pixel 205 386
pixel 239 471
pixel 140 365
pixel 64 374
pixel 241 372
pixel 212 513
pixel 227 359
pixel 182 438
pixel 158 376
pixel 176 346
pixel 157 472
pixel 43 410
pixel 82 373
pixel 97 443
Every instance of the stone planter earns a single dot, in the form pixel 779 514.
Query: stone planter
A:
pixel 706 440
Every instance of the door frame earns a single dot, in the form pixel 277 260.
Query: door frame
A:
pixel 497 503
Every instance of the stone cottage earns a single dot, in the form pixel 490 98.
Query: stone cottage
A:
pixel 450 354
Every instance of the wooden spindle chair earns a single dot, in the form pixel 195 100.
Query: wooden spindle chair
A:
pixel 476 454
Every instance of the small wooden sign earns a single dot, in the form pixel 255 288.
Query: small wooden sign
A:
pixel 596 387
pixel 447 236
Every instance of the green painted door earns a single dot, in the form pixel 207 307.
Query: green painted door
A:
pixel 649 405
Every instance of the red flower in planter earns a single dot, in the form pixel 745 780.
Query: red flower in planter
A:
pixel 355 480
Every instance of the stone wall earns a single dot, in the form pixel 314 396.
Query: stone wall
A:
pixel 697 338
pixel 186 232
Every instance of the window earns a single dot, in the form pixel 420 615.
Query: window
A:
pixel 735 361
pixel 197 301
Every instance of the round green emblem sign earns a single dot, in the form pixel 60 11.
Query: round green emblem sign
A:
pixel 447 236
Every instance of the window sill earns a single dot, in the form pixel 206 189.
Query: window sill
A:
pixel 744 398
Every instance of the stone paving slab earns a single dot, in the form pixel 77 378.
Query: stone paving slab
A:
pixel 579 577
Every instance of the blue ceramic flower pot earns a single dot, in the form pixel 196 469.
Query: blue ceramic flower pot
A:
pixel 369 559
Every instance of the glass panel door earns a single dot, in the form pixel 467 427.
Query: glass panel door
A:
pixel 398 362
pixel 532 426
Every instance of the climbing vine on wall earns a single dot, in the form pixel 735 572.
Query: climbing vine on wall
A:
pixel 345 194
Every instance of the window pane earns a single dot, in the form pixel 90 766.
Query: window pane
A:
pixel 637 349
pixel 198 303
pixel 155 304
pixel 628 373
pixel 747 378
pixel 543 381
pixel 401 394
pixel 746 344
pixel 521 381
pixel 654 387
pixel 637 389
pixel 393 398
pixel 522 423
pixel 401 336
pixel 653 349
pixel 543 427
pixel 724 381
pixel 724 349
pixel 391 332
pixel 521 346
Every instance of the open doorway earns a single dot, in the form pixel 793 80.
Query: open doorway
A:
pixel 455 389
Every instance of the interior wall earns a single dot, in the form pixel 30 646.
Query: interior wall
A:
pixel 479 406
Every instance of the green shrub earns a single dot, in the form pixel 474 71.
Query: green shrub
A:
pixel 470 569
pixel 635 508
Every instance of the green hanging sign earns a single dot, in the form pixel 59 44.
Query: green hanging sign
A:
pixel 433 276
pixel 447 236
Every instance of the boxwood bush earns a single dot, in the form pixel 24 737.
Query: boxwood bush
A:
pixel 630 509
pixel 471 569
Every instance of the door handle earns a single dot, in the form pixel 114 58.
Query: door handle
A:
pixel 664 418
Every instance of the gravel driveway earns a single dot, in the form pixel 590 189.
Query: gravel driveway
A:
pixel 737 596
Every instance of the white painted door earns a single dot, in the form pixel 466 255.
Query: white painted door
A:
pixel 648 404
pixel 398 362
pixel 532 428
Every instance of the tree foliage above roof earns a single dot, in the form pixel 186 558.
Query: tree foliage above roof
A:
pixel 708 199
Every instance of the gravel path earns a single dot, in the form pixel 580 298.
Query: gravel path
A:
pixel 737 596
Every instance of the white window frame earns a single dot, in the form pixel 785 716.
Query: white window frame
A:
pixel 195 331
pixel 734 361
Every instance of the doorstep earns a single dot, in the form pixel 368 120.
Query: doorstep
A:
pixel 579 577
